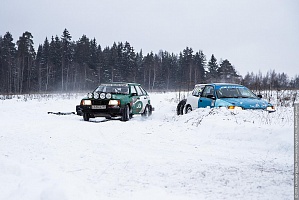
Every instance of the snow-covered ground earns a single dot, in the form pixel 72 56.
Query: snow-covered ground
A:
pixel 206 154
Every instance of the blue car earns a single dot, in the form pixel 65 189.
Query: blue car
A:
pixel 231 96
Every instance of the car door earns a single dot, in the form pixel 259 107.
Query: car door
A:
pixel 207 98
pixel 139 100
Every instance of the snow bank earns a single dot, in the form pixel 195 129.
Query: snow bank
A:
pixel 206 154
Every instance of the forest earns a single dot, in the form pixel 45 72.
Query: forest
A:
pixel 63 65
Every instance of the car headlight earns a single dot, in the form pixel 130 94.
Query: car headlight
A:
pixel 270 109
pixel 108 96
pixel 114 103
pixel 96 95
pixel 102 95
pixel 90 95
pixel 235 108
pixel 86 102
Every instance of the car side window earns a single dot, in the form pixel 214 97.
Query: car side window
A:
pixel 139 91
pixel 209 90
pixel 133 90
pixel 197 91
pixel 143 90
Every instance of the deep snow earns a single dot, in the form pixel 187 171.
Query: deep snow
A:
pixel 206 154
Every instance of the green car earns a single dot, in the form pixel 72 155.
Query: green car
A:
pixel 115 99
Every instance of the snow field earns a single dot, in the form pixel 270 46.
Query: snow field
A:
pixel 206 154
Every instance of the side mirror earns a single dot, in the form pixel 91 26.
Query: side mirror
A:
pixel 259 96
pixel 134 94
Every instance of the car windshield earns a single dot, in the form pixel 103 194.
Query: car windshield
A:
pixel 234 92
pixel 115 89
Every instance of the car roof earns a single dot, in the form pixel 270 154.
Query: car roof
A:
pixel 120 84
pixel 200 84
pixel 219 85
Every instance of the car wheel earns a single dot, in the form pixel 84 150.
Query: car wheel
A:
pixel 180 107
pixel 188 109
pixel 147 111
pixel 125 114
pixel 86 116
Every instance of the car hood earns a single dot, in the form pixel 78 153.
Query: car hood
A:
pixel 247 103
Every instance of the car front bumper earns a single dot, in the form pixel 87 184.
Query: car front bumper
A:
pixel 107 112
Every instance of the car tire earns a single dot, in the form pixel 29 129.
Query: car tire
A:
pixel 188 109
pixel 126 113
pixel 86 116
pixel 180 107
pixel 147 111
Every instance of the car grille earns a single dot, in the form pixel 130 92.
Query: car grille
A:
pixel 100 102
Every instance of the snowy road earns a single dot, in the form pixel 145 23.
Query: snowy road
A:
pixel 206 154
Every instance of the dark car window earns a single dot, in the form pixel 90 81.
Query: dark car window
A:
pixel 228 92
pixel 117 89
pixel 234 92
pixel 209 90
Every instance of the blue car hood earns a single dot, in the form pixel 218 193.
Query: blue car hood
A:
pixel 247 103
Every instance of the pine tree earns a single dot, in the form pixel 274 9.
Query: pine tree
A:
pixel 227 72
pixel 212 71
pixel 129 65
pixel 187 67
pixel 94 61
pixel 45 63
pixel 26 56
pixel 100 64
pixel 82 57
pixel 148 66
pixel 139 67
pixel 199 70
pixel 7 63
pixel 106 65
pixel 39 66
pixel 55 63
pixel 66 58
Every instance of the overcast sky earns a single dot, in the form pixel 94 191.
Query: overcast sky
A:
pixel 254 35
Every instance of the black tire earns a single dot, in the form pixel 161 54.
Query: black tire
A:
pixel 180 107
pixel 125 114
pixel 147 111
pixel 188 109
pixel 150 110
pixel 86 116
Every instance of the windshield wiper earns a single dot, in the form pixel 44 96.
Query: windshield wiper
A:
pixel 226 97
pixel 243 97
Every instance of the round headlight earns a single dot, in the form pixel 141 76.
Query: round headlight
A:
pixel 96 95
pixel 108 95
pixel 102 95
pixel 89 95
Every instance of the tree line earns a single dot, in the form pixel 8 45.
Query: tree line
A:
pixel 61 64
